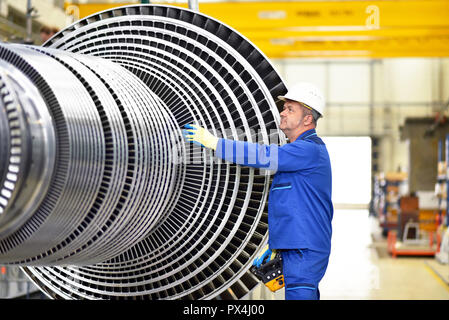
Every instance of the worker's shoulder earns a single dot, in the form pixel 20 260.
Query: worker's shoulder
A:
pixel 302 145
pixel 311 142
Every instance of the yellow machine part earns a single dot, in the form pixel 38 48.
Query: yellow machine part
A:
pixel 275 284
pixel 372 29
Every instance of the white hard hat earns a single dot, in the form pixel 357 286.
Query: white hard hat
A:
pixel 308 94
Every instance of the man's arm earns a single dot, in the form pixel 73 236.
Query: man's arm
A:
pixel 289 157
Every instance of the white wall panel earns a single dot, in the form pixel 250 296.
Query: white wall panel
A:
pixel 349 83
pixel 409 80
pixel 306 71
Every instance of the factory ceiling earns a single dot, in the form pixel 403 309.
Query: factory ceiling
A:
pixel 295 29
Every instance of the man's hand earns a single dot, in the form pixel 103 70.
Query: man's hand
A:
pixel 200 136
pixel 265 255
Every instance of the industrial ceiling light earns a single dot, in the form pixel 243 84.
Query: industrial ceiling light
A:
pixel 100 197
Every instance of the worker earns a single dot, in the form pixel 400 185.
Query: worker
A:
pixel 45 33
pixel 300 209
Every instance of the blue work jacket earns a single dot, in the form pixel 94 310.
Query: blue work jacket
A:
pixel 300 208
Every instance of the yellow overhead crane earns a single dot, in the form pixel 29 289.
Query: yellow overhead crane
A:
pixel 292 29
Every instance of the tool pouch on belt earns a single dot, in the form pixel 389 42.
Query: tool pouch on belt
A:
pixel 271 273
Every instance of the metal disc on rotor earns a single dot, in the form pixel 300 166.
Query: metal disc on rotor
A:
pixel 131 210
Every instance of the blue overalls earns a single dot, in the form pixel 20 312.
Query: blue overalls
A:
pixel 300 209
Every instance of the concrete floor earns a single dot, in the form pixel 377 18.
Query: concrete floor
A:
pixel 360 267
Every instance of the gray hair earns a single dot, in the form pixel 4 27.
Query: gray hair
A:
pixel 308 111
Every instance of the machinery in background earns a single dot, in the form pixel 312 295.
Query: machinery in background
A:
pixel 441 188
pixel 442 255
pixel 388 188
pixel 440 265
pixel 415 234
pixel 408 220
pixel 15 284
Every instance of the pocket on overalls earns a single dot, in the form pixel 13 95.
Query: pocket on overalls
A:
pixel 294 286
pixel 282 186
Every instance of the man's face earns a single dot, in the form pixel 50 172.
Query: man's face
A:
pixel 291 117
